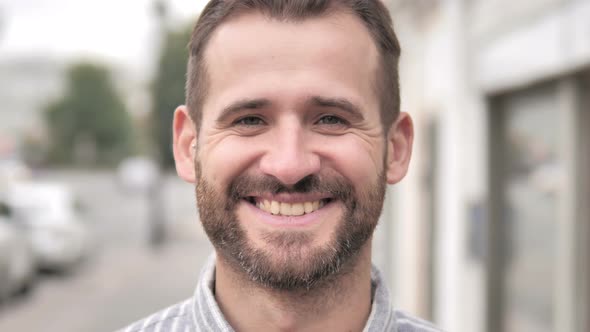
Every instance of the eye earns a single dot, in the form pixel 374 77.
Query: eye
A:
pixel 331 120
pixel 249 121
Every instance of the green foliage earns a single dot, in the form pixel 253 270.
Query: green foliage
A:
pixel 168 91
pixel 90 124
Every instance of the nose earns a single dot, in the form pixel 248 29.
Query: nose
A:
pixel 289 157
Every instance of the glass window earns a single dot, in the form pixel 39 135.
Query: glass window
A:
pixel 531 177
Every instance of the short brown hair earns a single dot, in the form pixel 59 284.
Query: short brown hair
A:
pixel 373 14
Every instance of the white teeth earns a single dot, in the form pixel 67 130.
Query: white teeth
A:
pixel 297 209
pixel 274 207
pixel 308 207
pixel 288 209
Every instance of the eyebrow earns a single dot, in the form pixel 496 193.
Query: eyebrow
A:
pixel 340 103
pixel 241 105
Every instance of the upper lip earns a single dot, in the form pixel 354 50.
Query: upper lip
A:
pixel 290 198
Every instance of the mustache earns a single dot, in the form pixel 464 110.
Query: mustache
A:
pixel 245 185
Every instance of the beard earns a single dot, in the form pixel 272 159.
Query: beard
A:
pixel 288 262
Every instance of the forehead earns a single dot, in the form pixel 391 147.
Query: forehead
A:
pixel 252 54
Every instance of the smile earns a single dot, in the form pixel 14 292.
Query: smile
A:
pixel 288 209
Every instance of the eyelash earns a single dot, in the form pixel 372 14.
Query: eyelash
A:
pixel 241 121
pixel 332 117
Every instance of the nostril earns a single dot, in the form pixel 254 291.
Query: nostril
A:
pixel 290 165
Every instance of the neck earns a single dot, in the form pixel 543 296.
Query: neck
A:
pixel 342 304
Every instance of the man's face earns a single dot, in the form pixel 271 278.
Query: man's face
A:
pixel 291 160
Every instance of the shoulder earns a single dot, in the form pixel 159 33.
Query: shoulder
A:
pixel 172 319
pixel 407 323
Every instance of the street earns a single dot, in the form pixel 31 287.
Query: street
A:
pixel 124 279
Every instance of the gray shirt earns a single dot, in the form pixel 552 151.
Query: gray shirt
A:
pixel 202 314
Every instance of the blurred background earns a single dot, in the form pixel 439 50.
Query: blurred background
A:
pixel 488 232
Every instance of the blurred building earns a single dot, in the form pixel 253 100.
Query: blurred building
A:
pixel 26 85
pixel 490 230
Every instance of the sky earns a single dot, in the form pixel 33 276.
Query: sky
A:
pixel 123 33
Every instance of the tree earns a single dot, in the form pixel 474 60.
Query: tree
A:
pixel 90 124
pixel 168 91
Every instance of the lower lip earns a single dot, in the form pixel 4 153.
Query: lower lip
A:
pixel 305 220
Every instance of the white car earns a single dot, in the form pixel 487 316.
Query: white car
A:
pixel 13 169
pixel 60 239
pixel 17 261
pixel 5 245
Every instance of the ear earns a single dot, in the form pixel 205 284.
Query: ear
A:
pixel 400 139
pixel 184 143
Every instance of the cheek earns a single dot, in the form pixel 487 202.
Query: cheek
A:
pixel 223 160
pixel 358 160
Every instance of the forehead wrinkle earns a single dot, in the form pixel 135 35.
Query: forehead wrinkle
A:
pixel 228 32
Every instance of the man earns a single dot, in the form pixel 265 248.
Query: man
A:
pixel 290 133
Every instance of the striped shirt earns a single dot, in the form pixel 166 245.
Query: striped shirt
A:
pixel 202 314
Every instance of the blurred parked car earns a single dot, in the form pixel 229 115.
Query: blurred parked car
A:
pixel 17 260
pixel 60 238
pixel 138 174
pixel 5 245
pixel 13 169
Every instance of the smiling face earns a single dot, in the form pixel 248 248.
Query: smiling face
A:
pixel 291 159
